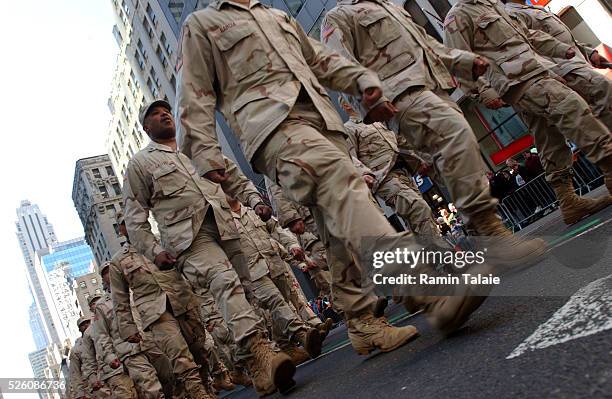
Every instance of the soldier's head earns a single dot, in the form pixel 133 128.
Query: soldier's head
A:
pixel 105 273
pixel 92 302
pixel 157 121
pixel 83 323
pixel 121 223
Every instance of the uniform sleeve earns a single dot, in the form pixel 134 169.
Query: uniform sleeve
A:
pixel 136 197
pixel 286 238
pixel 352 141
pixel 77 386
pixel 286 210
pixel 196 99
pixel 239 186
pixel 545 44
pixel 89 365
pixel 102 339
pixel 120 292
pixel 335 71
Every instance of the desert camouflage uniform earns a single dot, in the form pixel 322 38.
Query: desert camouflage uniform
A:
pixel 376 147
pixel 195 225
pixel 117 384
pixel 166 308
pixel 134 359
pixel 287 125
pixel 414 69
pixel 519 74
pixel 270 286
pixel 79 386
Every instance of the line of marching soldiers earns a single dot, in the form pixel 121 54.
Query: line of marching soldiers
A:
pixel 186 313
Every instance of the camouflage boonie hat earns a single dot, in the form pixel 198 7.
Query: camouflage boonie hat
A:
pixel 93 298
pixel 82 320
pixel 144 111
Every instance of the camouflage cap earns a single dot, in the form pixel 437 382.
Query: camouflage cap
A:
pixel 144 111
pixel 93 298
pixel 120 217
pixel 82 320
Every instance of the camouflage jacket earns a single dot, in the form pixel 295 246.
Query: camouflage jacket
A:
pixel 79 386
pixel 484 27
pixel 384 37
pixel 92 369
pixel 151 289
pixel 252 62
pixel 374 145
pixel 262 253
pixel 108 341
pixel 165 182
pixel 538 18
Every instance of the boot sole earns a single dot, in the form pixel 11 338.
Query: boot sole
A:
pixel 283 376
pixel 367 351
pixel 590 212
pixel 313 343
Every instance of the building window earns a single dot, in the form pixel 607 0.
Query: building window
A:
pixel 161 56
pixel 315 31
pixel 109 171
pixel 152 87
pixel 136 137
pixel 165 43
pixel 110 208
pixel 96 173
pixel 147 27
pixel 173 82
pixel 420 18
pixel 141 49
pixel 117 188
pixel 139 60
pixel 151 14
pixel 294 6
pixel 83 284
pixel 176 9
pixel 103 190
pixel 94 281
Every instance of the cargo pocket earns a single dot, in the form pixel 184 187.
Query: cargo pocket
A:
pixel 241 50
pixel 167 180
pixel 380 28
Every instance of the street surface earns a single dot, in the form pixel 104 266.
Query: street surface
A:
pixel 529 346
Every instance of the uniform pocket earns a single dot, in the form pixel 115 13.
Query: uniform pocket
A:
pixel 167 180
pixel 241 50
pixel 397 64
pixel 380 28
pixel 494 29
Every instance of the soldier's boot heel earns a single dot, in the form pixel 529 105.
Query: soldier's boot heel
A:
pixel 368 333
pixel 573 207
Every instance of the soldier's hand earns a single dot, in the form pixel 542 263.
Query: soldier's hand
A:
pixel 97 385
pixel 134 338
pixel 381 113
pixel 424 169
pixel 598 60
pixel 115 364
pixel 570 54
pixel 495 103
pixel 371 95
pixel 480 67
pixel 297 253
pixel 217 175
pixel 263 211
pixel 369 180
pixel 165 261
pixel 297 227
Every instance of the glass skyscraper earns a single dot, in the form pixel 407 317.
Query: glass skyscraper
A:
pixel 75 252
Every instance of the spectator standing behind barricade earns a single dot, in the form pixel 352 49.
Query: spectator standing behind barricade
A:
pixel 533 166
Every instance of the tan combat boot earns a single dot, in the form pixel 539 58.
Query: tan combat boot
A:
pixel 297 354
pixel 506 251
pixel 368 333
pixel 310 338
pixel 269 370
pixel 573 207
pixel 325 327
pixel 381 304
pixel 222 381
pixel 240 377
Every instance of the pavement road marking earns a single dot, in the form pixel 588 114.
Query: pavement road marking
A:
pixel 588 312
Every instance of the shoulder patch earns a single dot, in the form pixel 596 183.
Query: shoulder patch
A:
pixel 450 23
pixel 327 31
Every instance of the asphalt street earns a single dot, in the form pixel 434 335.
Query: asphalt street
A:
pixel 557 344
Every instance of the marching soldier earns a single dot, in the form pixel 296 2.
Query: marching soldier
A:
pixel 130 354
pixel 377 149
pixel 270 287
pixel 107 379
pixel 291 132
pixel 198 238
pixel 165 305
pixel 520 75
pixel 79 385
pixel 415 74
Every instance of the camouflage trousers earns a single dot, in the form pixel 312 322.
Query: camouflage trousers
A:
pixel 399 191
pixel 144 375
pixel 161 363
pixel 433 123
pixel 294 295
pixel 207 263
pixel 121 387
pixel 320 275
pixel 313 167
pixel 269 297
pixel 596 89
pixel 554 113
pixel 167 334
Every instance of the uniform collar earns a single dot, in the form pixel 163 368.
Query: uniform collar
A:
pixel 220 3
pixel 153 146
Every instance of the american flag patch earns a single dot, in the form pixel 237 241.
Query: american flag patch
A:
pixel 450 23
pixel 327 31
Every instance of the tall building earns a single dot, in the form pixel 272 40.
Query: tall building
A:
pixel 86 286
pixel 48 363
pixel 37 328
pixel 96 194
pixel 35 233
pixel 76 253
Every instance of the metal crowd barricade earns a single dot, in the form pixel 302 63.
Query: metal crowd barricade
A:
pixel 534 199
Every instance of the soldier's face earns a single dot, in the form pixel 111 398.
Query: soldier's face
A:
pixel 159 124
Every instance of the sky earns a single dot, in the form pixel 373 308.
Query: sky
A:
pixel 57 64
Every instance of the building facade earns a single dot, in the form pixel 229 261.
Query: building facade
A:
pixel 96 194
pixel 37 328
pixel 86 286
